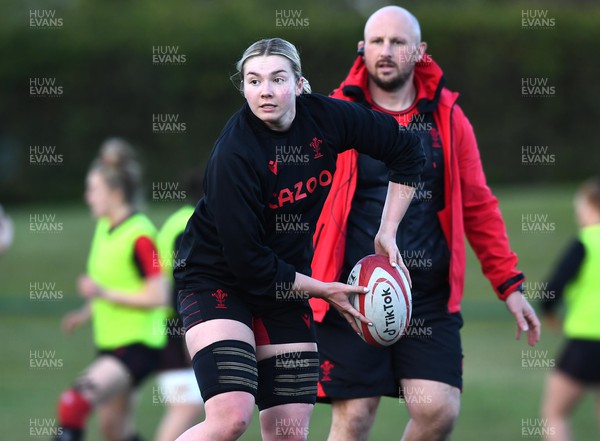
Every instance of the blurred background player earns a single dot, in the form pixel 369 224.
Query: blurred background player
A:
pixel 576 278
pixel 176 380
pixel 394 75
pixel 126 298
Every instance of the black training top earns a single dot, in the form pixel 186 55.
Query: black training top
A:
pixel 264 191
pixel 420 237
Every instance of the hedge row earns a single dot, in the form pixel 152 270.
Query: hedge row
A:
pixel 115 69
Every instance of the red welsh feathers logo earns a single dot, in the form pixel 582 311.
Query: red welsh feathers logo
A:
pixel 316 145
pixel 220 296
pixel 273 167
pixel 326 366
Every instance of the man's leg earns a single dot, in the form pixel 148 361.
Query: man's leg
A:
pixel 428 363
pixel 433 408
pixel 352 377
pixel 352 419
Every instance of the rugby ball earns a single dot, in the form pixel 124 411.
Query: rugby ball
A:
pixel 388 304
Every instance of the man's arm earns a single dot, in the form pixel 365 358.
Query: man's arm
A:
pixel 486 232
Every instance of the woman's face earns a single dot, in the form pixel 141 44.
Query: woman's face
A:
pixel 99 196
pixel 585 212
pixel 271 89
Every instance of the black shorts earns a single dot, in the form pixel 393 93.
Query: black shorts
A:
pixel 351 368
pixel 580 360
pixel 139 360
pixel 273 321
pixel 174 355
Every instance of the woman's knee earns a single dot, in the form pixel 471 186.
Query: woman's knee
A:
pixel 231 413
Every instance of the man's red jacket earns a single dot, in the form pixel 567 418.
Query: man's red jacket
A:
pixel 470 207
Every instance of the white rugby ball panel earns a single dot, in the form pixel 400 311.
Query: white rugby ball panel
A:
pixel 387 304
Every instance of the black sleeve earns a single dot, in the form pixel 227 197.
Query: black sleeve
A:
pixel 379 136
pixel 234 197
pixel 174 290
pixel 178 240
pixel 565 271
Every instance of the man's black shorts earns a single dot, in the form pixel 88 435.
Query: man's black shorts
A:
pixel 139 360
pixel 351 368
pixel 274 321
pixel 580 360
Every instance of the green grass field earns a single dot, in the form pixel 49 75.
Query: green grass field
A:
pixel 498 392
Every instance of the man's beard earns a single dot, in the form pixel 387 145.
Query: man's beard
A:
pixel 392 84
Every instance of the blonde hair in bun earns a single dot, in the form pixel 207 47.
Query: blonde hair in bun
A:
pixel 118 165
